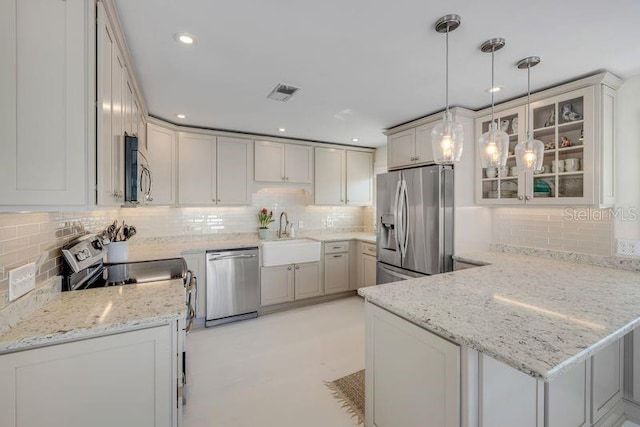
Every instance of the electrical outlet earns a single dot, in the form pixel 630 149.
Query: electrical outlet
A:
pixel 301 224
pixel 628 247
pixel 329 222
pixel 22 280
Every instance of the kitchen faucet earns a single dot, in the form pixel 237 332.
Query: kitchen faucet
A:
pixel 280 231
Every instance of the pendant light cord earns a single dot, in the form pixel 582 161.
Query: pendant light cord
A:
pixel 493 86
pixel 447 71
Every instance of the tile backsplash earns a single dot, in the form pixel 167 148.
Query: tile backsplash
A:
pixel 38 237
pixel 585 230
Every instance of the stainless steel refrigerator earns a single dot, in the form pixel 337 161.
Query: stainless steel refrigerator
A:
pixel 415 223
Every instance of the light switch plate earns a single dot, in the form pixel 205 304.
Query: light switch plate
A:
pixel 301 224
pixel 22 280
pixel 628 247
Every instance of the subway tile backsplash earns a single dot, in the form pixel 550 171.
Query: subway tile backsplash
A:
pixel 583 230
pixel 38 237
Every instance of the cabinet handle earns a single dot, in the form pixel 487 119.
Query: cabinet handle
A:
pixel 348 200
pixel 520 197
pixel 527 197
pixel 337 256
pixel 342 200
pixel 218 201
pixel 416 158
pixel 337 247
pixel 289 268
pixel 297 267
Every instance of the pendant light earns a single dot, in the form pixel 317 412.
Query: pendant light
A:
pixel 447 136
pixel 529 153
pixel 493 145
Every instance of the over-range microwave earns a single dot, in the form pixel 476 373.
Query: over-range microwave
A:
pixel 137 174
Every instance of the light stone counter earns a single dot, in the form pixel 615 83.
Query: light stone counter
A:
pixel 335 237
pixel 537 315
pixel 84 314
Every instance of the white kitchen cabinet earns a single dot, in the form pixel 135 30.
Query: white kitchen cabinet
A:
pixel 234 171
pixel 285 283
pixel 196 169
pixel 366 264
pixel 123 379
pixel 336 272
pixel 213 170
pixel 161 153
pixel 401 148
pixel 412 376
pixel 307 280
pixel 329 176
pixel 568 398
pixel 285 163
pixel 47 103
pixel 606 379
pixel 584 139
pixel 343 177
pixel 359 178
pixel 276 284
pixel 197 264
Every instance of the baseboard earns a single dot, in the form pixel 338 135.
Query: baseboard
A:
pixel 615 417
pixel 632 410
pixel 305 302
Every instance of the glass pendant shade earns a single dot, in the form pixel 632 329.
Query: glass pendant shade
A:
pixel 446 141
pixel 529 154
pixel 493 147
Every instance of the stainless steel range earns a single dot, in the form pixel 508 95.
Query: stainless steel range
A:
pixel 84 268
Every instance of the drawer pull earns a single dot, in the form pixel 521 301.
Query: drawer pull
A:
pixel 337 256
pixel 337 247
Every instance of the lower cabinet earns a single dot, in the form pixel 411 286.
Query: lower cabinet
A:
pixel 126 379
pixel 607 379
pixel 336 273
pixel 412 376
pixel 285 283
pixel 366 264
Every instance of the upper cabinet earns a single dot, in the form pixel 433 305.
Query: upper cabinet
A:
pixel 410 147
pixel 213 170
pixel 118 113
pixel 343 177
pixel 285 163
pixel 47 102
pixel 161 155
pixel 576 128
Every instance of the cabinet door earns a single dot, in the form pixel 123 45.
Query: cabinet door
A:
pixel 276 284
pixel 416 374
pixel 108 113
pixel 606 378
pixel 424 152
pixel 329 176
pixel 161 147
pixel 234 168
pixel 368 270
pixel 567 398
pixel 359 178
pixel 336 273
pixel 269 161
pixel 116 380
pixel 500 383
pixel 298 163
pixel 44 107
pixel 401 148
pixel 196 169
pixel 307 280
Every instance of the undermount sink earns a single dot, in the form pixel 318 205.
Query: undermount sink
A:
pixel 284 252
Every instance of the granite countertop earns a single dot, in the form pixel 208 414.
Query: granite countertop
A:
pixel 173 249
pixel 539 316
pixel 71 316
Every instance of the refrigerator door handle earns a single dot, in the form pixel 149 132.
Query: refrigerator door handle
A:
pixel 405 218
pixel 397 218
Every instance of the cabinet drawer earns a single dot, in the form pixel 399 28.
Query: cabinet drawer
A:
pixel 336 247
pixel 368 249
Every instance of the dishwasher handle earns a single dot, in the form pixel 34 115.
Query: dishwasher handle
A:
pixel 215 257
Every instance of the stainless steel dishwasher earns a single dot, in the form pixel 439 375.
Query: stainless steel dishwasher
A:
pixel 233 290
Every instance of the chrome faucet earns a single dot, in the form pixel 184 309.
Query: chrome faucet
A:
pixel 280 231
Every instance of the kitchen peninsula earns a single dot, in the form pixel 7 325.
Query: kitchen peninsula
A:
pixel 520 341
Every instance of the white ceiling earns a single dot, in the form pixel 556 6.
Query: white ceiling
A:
pixel 363 65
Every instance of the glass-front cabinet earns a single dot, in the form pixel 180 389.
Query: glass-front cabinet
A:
pixel 576 128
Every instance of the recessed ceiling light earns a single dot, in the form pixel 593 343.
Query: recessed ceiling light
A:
pixel 181 116
pixel 282 130
pixel 185 38
pixel 494 89
pixel 354 140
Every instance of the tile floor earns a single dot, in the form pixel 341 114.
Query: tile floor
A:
pixel 269 372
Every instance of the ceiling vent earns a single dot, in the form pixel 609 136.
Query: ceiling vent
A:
pixel 282 92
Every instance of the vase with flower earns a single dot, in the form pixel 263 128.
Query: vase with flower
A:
pixel 265 218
